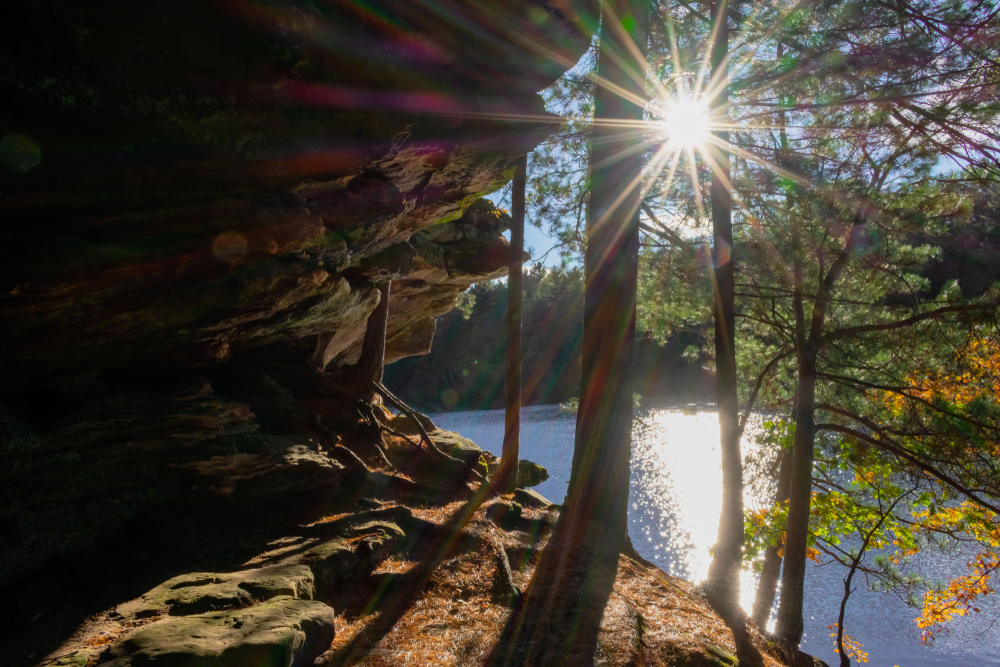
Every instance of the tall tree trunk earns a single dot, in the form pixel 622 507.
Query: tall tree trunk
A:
pixel 599 482
pixel 506 478
pixel 371 363
pixel 558 622
pixel 768 583
pixel 807 344
pixel 722 588
pixel 789 624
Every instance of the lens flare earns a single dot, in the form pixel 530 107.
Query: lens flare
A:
pixel 683 122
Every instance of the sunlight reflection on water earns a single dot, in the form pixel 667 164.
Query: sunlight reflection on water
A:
pixel 675 499
pixel 676 492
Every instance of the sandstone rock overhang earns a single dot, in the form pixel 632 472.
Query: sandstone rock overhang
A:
pixel 181 181
pixel 196 196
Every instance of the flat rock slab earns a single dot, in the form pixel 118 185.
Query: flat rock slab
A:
pixel 530 498
pixel 283 632
pixel 202 592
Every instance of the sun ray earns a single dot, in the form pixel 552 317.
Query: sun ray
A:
pixel 634 183
pixel 695 184
pixel 674 163
pixel 655 166
pixel 706 60
pixel 655 172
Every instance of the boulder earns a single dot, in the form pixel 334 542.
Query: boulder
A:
pixel 405 425
pixel 282 632
pixel 530 474
pixel 461 448
pixel 428 466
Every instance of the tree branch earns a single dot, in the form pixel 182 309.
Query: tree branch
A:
pixel 887 326
pixel 662 230
pixel 884 444
pixel 756 387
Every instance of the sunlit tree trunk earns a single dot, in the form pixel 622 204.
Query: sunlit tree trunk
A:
pixel 768 582
pixel 790 625
pixel 722 588
pixel 371 363
pixel 599 483
pixel 506 478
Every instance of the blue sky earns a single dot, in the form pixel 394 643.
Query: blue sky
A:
pixel 537 243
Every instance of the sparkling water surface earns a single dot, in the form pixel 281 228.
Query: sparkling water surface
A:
pixel 675 499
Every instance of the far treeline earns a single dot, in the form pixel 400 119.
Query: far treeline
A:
pixel 465 367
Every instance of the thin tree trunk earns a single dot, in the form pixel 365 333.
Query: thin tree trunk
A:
pixel 599 483
pixel 768 583
pixel 506 478
pixel 722 587
pixel 371 363
pixel 845 661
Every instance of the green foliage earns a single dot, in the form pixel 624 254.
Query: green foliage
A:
pixel 465 304
pixel 763 526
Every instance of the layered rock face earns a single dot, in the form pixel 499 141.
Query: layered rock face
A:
pixel 198 201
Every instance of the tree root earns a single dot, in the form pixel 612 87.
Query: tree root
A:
pixel 504 589
pixel 394 432
pixel 412 414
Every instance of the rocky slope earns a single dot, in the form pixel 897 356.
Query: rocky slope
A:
pixel 198 204
pixel 408 575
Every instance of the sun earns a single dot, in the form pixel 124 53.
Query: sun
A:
pixel 684 122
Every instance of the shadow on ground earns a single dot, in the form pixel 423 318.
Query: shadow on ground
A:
pixel 558 620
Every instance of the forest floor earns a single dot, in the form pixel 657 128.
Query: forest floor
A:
pixel 650 618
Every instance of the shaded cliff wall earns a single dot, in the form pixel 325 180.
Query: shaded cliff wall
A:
pixel 197 202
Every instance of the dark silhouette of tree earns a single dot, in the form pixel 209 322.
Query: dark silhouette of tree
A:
pixel 599 482
pixel 559 619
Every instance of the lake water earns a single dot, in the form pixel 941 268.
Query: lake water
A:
pixel 673 518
